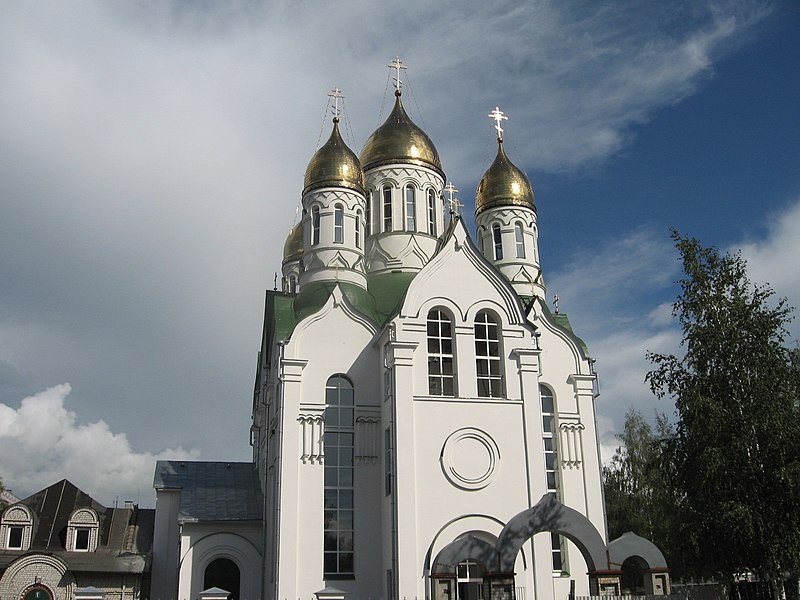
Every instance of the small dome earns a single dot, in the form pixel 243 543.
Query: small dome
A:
pixel 398 140
pixel 293 248
pixel 503 184
pixel 334 165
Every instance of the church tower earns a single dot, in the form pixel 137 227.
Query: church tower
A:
pixel 333 214
pixel 505 215
pixel 404 181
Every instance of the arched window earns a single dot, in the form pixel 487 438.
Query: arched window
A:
pixel 373 197
pixel 315 226
pixel 519 240
pixel 338 224
pixel 338 442
pixel 548 433
pixel 487 356
pixel 431 213
pixel 358 229
pixel 16 528
pixel 292 284
pixel 441 373
pixel 82 531
pixel 498 242
pixel 223 573
pixel 387 208
pixel 411 208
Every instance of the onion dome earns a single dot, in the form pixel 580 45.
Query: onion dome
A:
pixel 293 248
pixel 503 184
pixel 334 165
pixel 399 140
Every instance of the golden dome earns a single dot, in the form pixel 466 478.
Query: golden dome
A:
pixel 334 165
pixel 398 140
pixel 503 184
pixel 293 248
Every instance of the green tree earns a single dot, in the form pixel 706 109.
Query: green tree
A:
pixel 638 483
pixel 736 450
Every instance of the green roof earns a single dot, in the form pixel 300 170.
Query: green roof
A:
pixel 562 321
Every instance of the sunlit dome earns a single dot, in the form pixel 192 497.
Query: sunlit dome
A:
pixel 293 248
pixel 503 184
pixel 399 140
pixel 334 165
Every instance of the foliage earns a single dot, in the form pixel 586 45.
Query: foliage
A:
pixel 2 489
pixel 736 449
pixel 638 483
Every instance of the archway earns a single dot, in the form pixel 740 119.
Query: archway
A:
pixel 639 558
pixel 550 515
pixel 223 573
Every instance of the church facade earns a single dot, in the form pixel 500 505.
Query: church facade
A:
pixel 423 423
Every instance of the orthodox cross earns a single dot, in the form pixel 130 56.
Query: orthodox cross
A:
pixel 498 117
pixel 398 66
pixel 336 93
pixel 555 302
pixel 452 201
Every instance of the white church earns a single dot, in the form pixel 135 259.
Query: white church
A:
pixel 423 424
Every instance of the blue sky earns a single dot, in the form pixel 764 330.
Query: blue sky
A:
pixel 151 161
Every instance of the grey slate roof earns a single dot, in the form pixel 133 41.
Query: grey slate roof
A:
pixel 212 491
pixel 125 540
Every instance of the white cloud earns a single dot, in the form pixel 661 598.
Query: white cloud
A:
pixel 42 442
pixel 774 260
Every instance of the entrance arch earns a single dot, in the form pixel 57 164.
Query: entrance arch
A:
pixel 630 553
pixel 550 515
pixel 223 573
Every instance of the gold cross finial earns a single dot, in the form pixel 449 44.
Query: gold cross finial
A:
pixel 452 200
pixel 398 66
pixel 336 93
pixel 498 117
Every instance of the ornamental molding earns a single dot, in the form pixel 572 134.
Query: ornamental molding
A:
pixel 470 459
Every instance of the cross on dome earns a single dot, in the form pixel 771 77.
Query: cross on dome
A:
pixel 336 93
pixel 498 117
pixel 452 201
pixel 398 66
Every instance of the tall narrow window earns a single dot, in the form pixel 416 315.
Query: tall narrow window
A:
pixel 338 224
pixel 358 229
pixel 441 376
pixel 15 534
pixel 498 242
pixel 387 208
pixel 487 356
pixel 292 284
pixel 519 240
pixel 411 208
pixel 557 554
pixel 548 433
pixel 373 197
pixel 431 213
pixel 315 226
pixel 338 440
pixel 388 461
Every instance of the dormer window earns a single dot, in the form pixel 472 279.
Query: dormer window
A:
pixel 15 536
pixel 16 527
pixel 82 531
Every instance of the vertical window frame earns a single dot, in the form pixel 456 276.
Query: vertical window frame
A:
pixel 357 229
pixel 431 213
pixel 315 226
pixel 339 478
pixel 442 377
pixel 519 240
pixel 338 224
pixel 488 363
pixel 411 207
pixel 497 241
pixel 386 203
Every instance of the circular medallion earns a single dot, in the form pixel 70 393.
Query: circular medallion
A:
pixel 470 458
